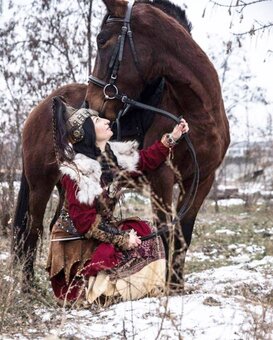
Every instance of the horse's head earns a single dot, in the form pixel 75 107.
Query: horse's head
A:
pixel 140 43
pixel 125 60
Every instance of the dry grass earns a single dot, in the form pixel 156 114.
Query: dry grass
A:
pixel 234 232
pixel 18 312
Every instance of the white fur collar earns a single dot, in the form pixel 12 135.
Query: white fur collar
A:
pixel 126 153
pixel 86 172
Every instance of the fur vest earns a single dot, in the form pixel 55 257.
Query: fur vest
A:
pixel 86 172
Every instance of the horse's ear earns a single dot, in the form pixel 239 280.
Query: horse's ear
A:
pixel 116 8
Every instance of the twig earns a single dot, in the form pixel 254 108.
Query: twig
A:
pixel 239 4
pixel 253 30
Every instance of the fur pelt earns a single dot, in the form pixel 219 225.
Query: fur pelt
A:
pixel 126 153
pixel 86 172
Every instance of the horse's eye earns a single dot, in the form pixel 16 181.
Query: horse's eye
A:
pixel 101 40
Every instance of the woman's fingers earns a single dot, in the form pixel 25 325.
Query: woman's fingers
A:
pixel 138 241
pixel 180 129
pixel 183 126
pixel 134 241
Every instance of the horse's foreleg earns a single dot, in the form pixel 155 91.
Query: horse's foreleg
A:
pixel 183 235
pixel 162 194
pixel 38 199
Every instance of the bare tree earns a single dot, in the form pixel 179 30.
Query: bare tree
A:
pixel 43 45
pixel 239 7
pixel 241 93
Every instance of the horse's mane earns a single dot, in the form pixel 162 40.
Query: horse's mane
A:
pixel 172 10
pixel 169 8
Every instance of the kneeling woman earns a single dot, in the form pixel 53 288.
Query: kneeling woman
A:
pixel 91 253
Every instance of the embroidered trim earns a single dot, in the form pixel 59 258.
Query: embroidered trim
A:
pixel 94 226
pixel 121 241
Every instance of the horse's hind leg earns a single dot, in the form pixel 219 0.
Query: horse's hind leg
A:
pixel 183 235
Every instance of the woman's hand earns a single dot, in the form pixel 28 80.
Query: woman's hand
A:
pixel 134 240
pixel 180 129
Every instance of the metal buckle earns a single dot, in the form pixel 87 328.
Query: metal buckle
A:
pixel 109 96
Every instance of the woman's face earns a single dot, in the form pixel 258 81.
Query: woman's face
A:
pixel 102 129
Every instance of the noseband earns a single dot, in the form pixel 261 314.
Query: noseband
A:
pixel 111 92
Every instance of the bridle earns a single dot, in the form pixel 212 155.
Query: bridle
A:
pixel 110 89
pixel 111 92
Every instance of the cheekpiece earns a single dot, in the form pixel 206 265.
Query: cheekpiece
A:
pixel 75 119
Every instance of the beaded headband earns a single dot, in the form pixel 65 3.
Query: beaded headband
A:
pixel 75 119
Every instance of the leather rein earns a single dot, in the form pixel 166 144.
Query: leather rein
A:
pixel 111 92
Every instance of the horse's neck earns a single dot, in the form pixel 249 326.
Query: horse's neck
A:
pixel 190 76
pixel 180 99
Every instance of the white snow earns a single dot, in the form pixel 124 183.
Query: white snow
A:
pixel 225 231
pixel 229 202
pixel 4 256
pixel 231 278
pixel 190 316
pixel 215 308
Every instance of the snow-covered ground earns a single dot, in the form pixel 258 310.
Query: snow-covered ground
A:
pixel 216 306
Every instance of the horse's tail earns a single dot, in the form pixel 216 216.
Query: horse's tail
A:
pixel 20 219
pixel 63 149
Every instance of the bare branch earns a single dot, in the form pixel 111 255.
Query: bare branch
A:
pixel 239 4
pixel 253 30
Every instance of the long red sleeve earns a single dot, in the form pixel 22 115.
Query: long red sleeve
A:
pixel 82 215
pixel 152 157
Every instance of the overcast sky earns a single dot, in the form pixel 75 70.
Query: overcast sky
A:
pixel 217 20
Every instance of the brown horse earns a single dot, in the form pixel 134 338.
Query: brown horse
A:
pixel 161 47
pixel 40 175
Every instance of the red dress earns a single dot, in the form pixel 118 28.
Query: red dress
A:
pixel 105 255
